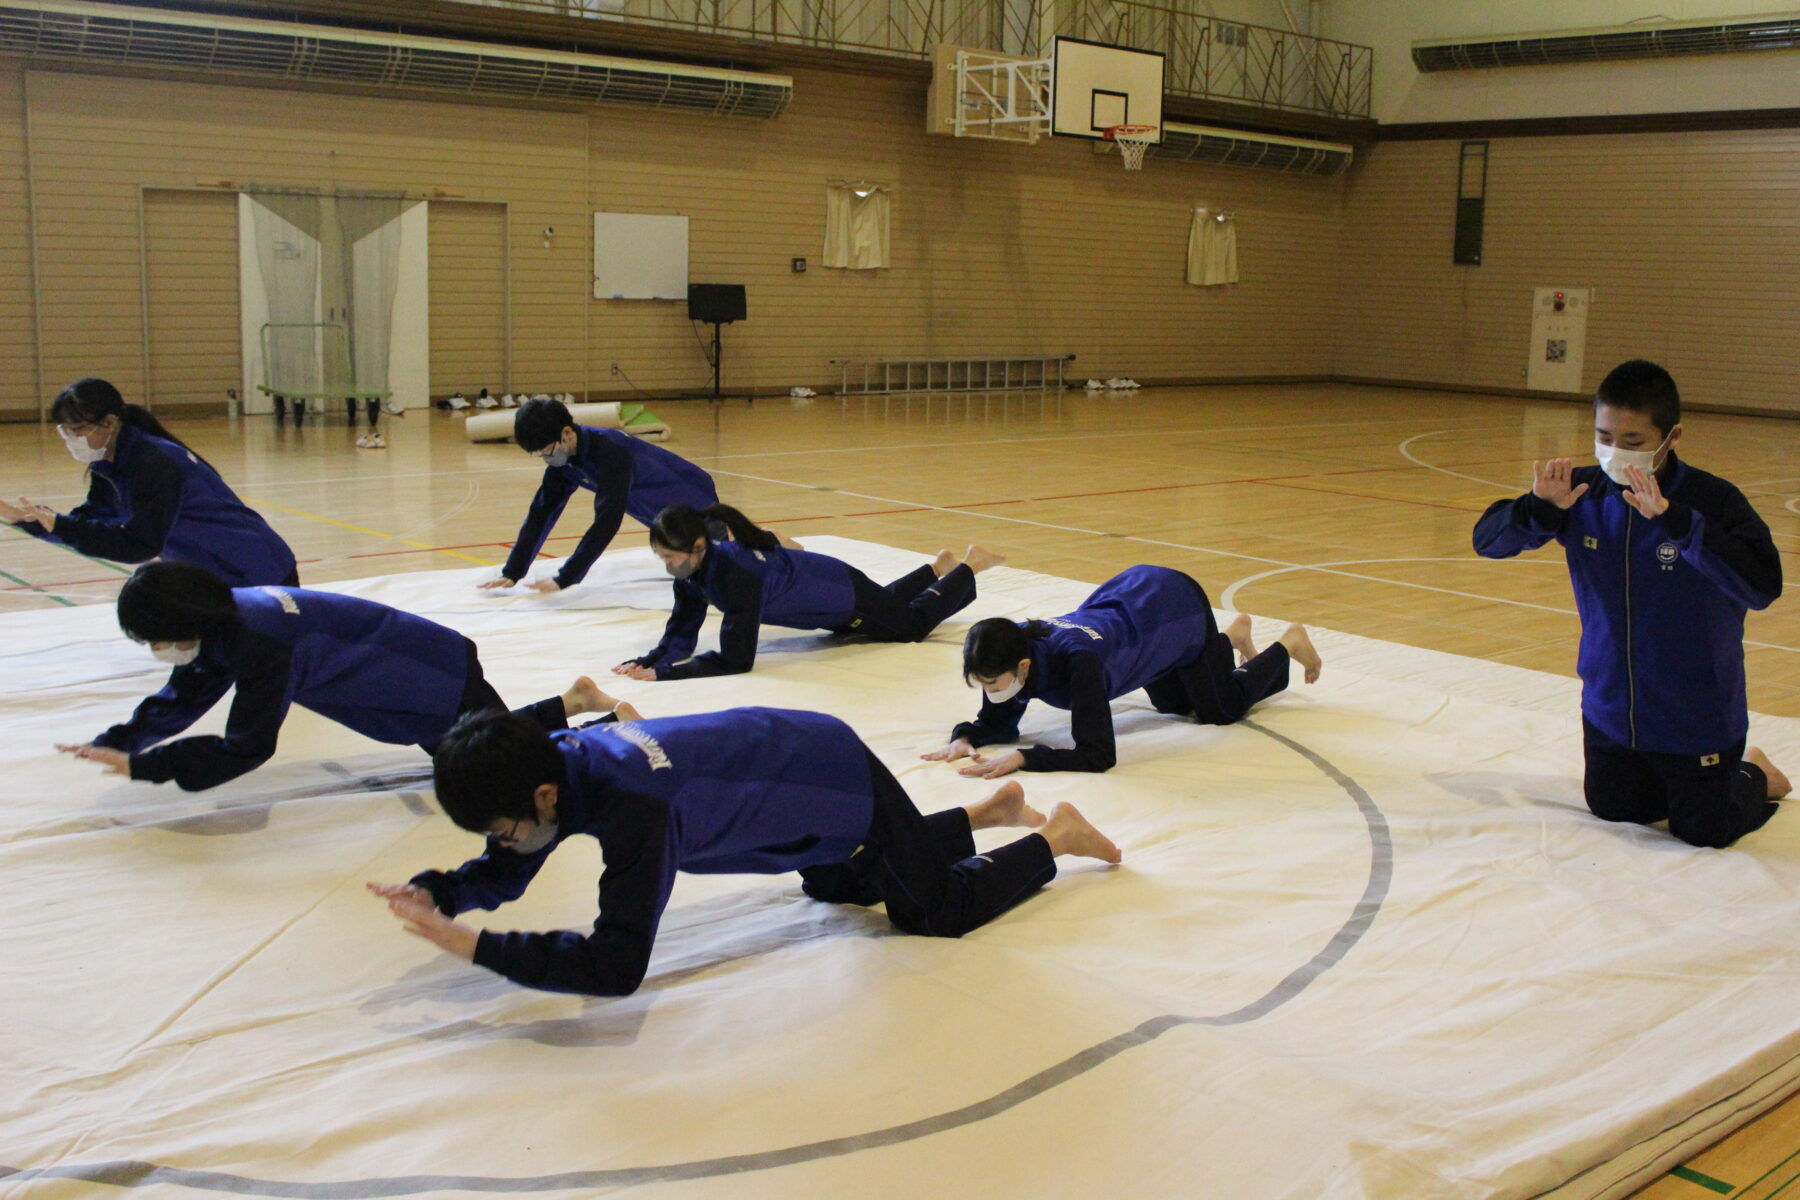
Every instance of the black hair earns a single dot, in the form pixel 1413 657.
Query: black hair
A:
pixel 540 422
pixel 489 767
pixel 90 401
pixel 680 528
pixel 1642 386
pixel 174 602
pixel 995 646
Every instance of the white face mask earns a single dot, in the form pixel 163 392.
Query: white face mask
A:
pixel 79 448
pixel 682 568
pixel 1614 460
pixel 1006 693
pixel 558 457
pixel 541 835
pixel 175 656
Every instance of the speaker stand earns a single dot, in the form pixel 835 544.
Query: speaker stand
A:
pixel 718 361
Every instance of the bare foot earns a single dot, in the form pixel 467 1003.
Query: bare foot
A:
pixel 980 558
pixel 1300 649
pixel 1779 786
pixel 1005 809
pixel 1238 634
pixel 585 696
pixel 626 712
pixel 944 563
pixel 1068 832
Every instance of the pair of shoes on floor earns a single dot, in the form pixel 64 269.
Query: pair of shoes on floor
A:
pixel 371 441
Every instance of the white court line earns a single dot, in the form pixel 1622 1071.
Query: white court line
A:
pixel 1458 474
pixel 1073 435
pixel 1273 562
pixel 1794 505
pixel 1229 599
pixel 1411 457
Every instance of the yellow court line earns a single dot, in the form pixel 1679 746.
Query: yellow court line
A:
pixel 301 512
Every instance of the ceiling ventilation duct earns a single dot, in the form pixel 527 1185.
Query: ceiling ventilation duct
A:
pixel 147 37
pixel 1240 148
pixel 1666 39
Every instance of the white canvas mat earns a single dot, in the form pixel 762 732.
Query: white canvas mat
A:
pixel 1370 944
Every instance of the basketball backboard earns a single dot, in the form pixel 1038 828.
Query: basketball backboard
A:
pixel 1095 86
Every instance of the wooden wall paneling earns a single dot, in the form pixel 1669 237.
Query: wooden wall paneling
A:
pixel 192 311
pixel 468 248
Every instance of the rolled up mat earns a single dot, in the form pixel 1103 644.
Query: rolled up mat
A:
pixel 635 419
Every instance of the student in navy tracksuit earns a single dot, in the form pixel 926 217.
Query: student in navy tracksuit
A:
pixel 625 473
pixel 718 557
pixel 387 674
pixel 1665 560
pixel 149 496
pixel 747 791
pixel 1146 627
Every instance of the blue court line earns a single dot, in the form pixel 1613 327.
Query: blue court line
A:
pixel 134 1173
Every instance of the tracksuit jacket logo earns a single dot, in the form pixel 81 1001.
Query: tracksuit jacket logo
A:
pixel 659 758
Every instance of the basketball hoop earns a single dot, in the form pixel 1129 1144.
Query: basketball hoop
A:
pixel 1132 141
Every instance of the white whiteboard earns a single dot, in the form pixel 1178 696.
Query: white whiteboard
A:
pixel 640 257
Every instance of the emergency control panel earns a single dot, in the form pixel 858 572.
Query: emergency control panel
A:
pixel 1558 338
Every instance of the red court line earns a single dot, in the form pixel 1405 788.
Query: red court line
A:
pixel 878 512
pixel 1379 499
pixel 885 512
pixel 38 587
pixel 574 537
pixel 1170 487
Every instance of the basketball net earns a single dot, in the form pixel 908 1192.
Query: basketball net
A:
pixel 1132 141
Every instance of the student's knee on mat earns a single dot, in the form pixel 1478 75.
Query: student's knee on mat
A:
pixel 921 926
pixel 1706 827
pixel 1615 808
pixel 837 885
pixel 1626 805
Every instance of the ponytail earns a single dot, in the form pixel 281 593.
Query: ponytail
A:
pixel 680 528
pixel 90 401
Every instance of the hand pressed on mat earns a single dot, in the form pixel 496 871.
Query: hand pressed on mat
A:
pixel 116 762
pixel 992 766
pixel 420 917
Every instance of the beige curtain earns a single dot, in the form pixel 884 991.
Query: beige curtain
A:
pixel 287 231
pixel 856 228
pixel 1212 249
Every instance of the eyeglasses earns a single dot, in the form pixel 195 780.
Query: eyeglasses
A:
pixel 76 430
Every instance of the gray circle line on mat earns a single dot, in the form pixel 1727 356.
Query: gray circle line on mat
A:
pixel 1381 871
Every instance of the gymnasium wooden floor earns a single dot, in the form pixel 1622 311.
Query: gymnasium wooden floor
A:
pixel 1341 506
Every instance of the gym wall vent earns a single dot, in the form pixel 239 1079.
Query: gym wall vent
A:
pixel 145 37
pixel 1664 39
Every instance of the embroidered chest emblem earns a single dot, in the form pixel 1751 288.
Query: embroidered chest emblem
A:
pixel 1592 543
pixel 1667 553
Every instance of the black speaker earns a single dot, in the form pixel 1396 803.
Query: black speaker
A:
pixel 719 303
